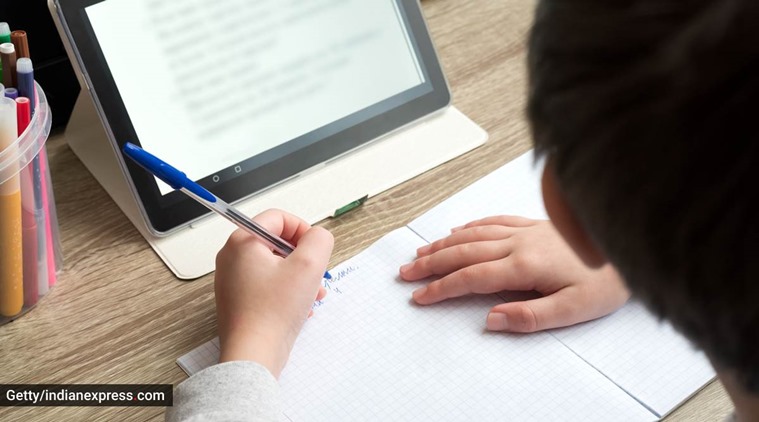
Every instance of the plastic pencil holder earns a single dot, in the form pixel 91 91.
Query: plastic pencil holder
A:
pixel 30 251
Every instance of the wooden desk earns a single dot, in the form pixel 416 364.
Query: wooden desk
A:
pixel 119 316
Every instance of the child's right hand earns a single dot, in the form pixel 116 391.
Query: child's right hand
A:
pixel 262 300
pixel 513 253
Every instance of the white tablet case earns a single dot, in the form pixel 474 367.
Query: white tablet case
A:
pixel 313 195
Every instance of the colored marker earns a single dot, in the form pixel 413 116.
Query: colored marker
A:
pixel 26 104
pixel 29 237
pixel 5 36
pixel 23 114
pixel 19 40
pixel 25 81
pixel 54 254
pixel 26 87
pixel 11 234
pixel 23 105
pixel 178 180
pixel 5 32
pixel 29 214
pixel 11 93
pixel 8 54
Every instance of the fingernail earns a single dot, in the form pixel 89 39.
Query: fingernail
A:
pixel 406 267
pixel 455 229
pixel 419 292
pixel 497 322
pixel 424 249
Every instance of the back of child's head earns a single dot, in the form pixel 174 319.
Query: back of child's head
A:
pixel 649 111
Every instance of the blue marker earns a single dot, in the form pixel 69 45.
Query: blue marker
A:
pixel 25 83
pixel 178 180
pixel 25 78
pixel 11 93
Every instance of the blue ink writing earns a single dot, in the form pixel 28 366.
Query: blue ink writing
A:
pixel 332 285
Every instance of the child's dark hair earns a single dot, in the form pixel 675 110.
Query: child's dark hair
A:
pixel 649 112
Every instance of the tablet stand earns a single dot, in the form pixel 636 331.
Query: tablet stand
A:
pixel 314 195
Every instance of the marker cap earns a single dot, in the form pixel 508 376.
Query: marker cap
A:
pixel 18 38
pixel 7 48
pixel 24 65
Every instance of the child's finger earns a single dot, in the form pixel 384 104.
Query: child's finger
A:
pixel 240 246
pixel 488 277
pixel 469 235
pixel 566 307
pixel 313 251
pixel 322 293
pixel 455 258
pixel 502 220
pixel 282 224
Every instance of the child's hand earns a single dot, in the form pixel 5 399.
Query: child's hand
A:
pixel 262 300
pixel 513 253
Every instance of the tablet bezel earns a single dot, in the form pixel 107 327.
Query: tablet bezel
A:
pixel 165 213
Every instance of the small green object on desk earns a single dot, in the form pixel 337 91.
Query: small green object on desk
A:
pixel 355 204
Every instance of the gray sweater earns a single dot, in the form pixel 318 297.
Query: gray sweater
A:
pixel 232 391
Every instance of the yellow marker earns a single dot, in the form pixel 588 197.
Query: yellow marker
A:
pixel 11 252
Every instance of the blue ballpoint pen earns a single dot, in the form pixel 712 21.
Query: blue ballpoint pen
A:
pixel 178 180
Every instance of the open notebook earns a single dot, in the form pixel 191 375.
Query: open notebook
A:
pixel 370 353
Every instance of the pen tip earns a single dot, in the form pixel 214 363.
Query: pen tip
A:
pixel 328 276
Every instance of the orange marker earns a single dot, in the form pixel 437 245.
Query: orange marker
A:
pixel 11 254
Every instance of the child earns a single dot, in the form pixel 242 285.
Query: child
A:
pixel 644 111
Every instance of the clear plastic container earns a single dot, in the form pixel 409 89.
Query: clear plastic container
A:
pixel 30 251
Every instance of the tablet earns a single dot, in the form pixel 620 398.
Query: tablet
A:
pixel 242 95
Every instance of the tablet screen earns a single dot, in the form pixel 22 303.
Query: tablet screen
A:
pixel 232 79
pixel 241 94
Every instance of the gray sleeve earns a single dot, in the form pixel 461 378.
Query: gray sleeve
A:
pixel 231 391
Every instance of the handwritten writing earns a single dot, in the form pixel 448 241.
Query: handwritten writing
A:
pixel 333 284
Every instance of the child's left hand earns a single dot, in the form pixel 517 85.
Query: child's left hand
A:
pixel 513 253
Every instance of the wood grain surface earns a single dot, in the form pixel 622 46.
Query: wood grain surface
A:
pixel 118 315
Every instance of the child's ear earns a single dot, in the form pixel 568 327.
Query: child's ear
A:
pixel 566 222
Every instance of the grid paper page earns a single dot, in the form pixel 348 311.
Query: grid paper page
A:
pixel 200 357
pixel 369 353
pixel 628 356
pixel 647 359
pixel 512 189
